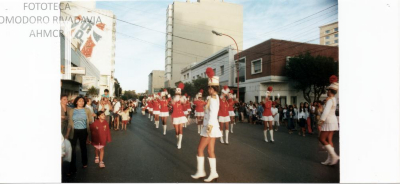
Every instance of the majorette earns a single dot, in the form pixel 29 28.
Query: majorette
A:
pixel 267 116
pixel 231 102
pixel 223 114
pixel 156 108
pixel 164 109
pixel 199 103
pixel 178 116
pixel 210 129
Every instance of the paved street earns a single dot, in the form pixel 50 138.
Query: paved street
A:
pixel 144 154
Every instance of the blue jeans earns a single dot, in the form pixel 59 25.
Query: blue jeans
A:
pixel 290 125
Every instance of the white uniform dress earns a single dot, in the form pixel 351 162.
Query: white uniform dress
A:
pixel 329 116
pixel 211 118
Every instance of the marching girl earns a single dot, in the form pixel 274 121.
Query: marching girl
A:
pixel 144 106
pixel 329 122
pixel 223 114
pixel 185 111
pixel 267 116
pixel 199 103
pixel 178 116
pixel 188 107
pixel 210 130
pixel 150 104
pixel 231 103
pixel 156 109
pixel 100 136
pixel 164 109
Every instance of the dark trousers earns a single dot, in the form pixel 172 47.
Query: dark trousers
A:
pixel 108 119
pixel 290 124
pixel 82 136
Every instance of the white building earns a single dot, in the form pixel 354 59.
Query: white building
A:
pixel 221 62
pixel 94 32
pixel 189 38
pixel 155 81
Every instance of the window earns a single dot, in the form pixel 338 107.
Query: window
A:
pixel 327 31
pixel 198 76
pixel 193 77
pixel 242 70
pixel 327 43
pixel 336 35
pixel 256 66
pixel 336 41
pixel 222 70
pixel 326 37
pixel 293 100
pixel 287 60
pixel 336 29
pixel 215 71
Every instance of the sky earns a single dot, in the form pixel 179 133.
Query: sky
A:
pixel 140 50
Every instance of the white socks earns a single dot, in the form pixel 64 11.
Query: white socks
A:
pixel 222 137
pixel 265 136
pixel 271 133
pixel 180 141
pixel 227 136
pixel 165 129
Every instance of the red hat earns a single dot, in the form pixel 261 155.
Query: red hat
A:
pixel 212 80
pixel 225 90
pixel 179 88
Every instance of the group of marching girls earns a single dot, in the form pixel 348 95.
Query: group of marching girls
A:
pixel 157 106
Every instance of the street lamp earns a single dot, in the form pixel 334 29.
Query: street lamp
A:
pixel 237 62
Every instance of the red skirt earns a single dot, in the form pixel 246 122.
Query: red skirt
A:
pixel 125 122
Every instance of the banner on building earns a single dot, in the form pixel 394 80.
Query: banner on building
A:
pixel 88 82
pixel 78 70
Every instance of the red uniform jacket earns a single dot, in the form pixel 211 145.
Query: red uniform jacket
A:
pixel 164 105
pixel 178 110
pixel 156 105
pixel 150 104
pixel 267 108
pixel 199 105
pixel 231 104
pixel 100 132
pixel 188 105
pixel 223 108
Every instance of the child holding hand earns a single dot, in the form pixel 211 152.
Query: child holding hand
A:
pixel 100 135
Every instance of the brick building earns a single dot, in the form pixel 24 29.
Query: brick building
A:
pixel 263 65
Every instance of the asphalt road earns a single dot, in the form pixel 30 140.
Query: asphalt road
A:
pixel 143 154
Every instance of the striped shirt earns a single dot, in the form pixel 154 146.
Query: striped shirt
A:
pixel 79 117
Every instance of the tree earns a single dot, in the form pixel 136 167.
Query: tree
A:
pixel 92 91
pixel 130 94
pixel 311 74
pixel 117 89
pixel 192 88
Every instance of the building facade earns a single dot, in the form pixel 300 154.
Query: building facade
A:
pixel 156 82
pixel 221 62
pixel 329 34
pixel 189 38
pixel 263 65
pixel 93 31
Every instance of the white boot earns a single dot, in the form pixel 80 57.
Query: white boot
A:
pixel 227 136
pixel 158 124
pixel 333 154
pixel 200 168
pixel 180 141
pixel 231 128
pixel 271 133
pixel 151 118
pixel 198 129
pixel 143 113
pixel 222 137
pixel 165 129
pixel 328 160
pixel 177 140
pixel 265 136
pixel 149 115
pixel 213 170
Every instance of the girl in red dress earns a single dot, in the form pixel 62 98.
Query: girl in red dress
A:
pixel 156 109
pixel 199 103
pixel 267 116
pixel 100 135
pixel 150 104
pixel 223 114
pixel 164 109
pixel 178 116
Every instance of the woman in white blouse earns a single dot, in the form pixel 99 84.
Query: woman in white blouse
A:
pixel 329 123
pixel 210 130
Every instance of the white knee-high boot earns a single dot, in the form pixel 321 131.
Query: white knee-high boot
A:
pixel 334 156
pixel 143 113
pixel 198 129
pixel 180 141
pixel 213 170
pixel 265 136
pixel 151 118
pixel 231 128
pixel 271 133
pixel 157 123
pixel 149 115
pixel 328 160
pixel 165 129
pixel 222 137
pixel 200 168
pixel 227 136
